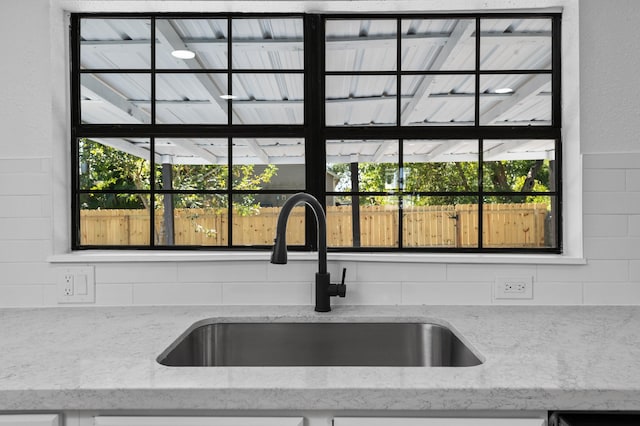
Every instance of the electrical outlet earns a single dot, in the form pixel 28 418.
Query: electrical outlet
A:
pixel 67 287
pixel 515 287
pixel 76 284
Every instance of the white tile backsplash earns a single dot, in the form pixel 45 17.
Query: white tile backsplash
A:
pixel 383 271
pixel 200 272
pixel 27 251
pixel 178 294
pixel 370 293
pixel 604 180
pixel 607 293
pixel 612 248
pixel 20 165
pixel 634 225
pixel 137 273
pixel 611 160
pixel 594 270
pixel 22 206
pixel 25 183
pixel 114 294
pixel 633 180
pixel 606 226
pixel 450 293
pixel 476 273
pixel 611 203
pixel 25 228
pixel 292 271
pixel 32 183
pixel 634 270
pixel 32 273
pixel 21 295
pixel 261 293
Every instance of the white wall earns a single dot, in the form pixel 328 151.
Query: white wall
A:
pixel 33 207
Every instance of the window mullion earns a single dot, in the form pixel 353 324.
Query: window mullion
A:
pixel 314 117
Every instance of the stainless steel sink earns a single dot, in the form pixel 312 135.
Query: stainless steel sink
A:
pixel 211 344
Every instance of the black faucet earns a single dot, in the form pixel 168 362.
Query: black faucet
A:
pixel 324 288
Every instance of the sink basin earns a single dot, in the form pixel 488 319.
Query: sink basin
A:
pixel 212 344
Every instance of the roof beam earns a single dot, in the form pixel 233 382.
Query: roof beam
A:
pixel 101 90
pixel 192 148
pixel 434 154
pixel 335 43
pixel 528 90
pixel 382 150
pixel 171 39
pixel 128 147
pixel 462 31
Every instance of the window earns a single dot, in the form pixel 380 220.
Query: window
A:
pixel 419 132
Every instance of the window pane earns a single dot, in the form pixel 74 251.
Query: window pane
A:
pixel 190 176
pixel 376 162
pixel 113 163
pixel 115 43
pixel 115 98
pixel 268 98
pixel 438 100
pixel 197 162
pixel 360 100
pixel 439 222
pixel 515 99
pixel 441 166
pixel 519 165
pixel 268 163
pixel 268 150
pixel 191 99
pixel 515 44
pixel 361 45
pixel 438 44
pixel 255 217
pixel 114 219
pixel 205 38
pixel 367 221
pixel 519 222
pixel 268 43
pixel 191 219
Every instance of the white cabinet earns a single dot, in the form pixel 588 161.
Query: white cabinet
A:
pixel 29 420
pixel 195 421
pixel 437 421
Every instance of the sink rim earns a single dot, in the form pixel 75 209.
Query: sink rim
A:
pixel 283 320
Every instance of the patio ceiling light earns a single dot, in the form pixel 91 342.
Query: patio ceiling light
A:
pixel 183 54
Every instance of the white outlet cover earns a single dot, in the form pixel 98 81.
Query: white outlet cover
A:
pixel 501 282
pixel 77 271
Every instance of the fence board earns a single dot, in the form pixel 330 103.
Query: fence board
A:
pixel 505 225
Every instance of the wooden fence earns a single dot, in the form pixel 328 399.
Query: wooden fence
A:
pixel 505 225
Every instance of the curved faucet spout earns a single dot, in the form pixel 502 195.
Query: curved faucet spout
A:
pixel 324 288
pixel 279 255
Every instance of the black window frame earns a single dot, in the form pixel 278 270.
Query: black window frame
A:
pixel 314 130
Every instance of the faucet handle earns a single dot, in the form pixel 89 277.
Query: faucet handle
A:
pixel 342 288
pixel 339 289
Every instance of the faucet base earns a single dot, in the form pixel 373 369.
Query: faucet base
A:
pixel 323 304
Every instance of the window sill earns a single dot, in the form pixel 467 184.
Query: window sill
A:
pixel 133 256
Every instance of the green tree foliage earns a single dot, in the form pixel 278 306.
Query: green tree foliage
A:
pixel 498 176
pixel 105 168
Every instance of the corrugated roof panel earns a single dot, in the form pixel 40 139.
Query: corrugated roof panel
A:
pixel 352 45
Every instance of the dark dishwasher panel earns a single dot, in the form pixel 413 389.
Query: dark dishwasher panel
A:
pixel 594 419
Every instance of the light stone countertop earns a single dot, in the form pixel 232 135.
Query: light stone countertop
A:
pixel 536 358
